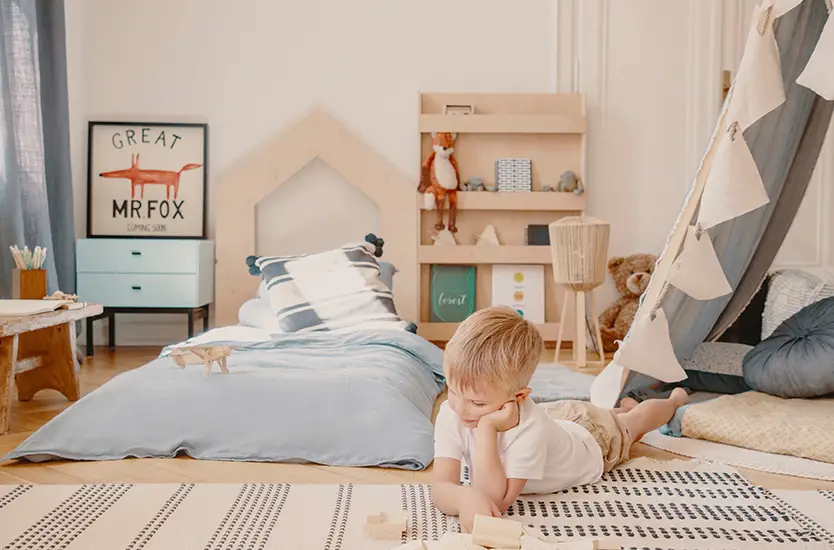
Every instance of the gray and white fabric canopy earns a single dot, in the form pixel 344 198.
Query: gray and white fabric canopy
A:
pixel 743 198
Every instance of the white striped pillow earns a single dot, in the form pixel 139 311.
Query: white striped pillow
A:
pixel 334 290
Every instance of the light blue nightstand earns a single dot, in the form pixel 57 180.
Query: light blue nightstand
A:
pixel 145 276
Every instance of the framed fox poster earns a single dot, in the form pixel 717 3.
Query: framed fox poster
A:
pixel 147 180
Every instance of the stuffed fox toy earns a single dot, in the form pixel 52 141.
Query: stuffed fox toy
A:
pixel 440 178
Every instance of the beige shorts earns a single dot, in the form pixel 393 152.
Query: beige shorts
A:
pixel 613 436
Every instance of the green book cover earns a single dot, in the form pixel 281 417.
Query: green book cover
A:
pixel 452 293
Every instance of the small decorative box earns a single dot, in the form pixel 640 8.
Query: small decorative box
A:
pixel 514 174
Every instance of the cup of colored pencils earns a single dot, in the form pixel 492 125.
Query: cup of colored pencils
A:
pixel 28 259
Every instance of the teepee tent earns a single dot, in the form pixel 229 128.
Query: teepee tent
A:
pixel 743 198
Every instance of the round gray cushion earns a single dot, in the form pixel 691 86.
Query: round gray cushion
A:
pixel 797 359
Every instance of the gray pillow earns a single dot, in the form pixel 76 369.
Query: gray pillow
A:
pixel 797 360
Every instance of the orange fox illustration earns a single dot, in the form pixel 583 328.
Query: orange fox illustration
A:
pixel 140 177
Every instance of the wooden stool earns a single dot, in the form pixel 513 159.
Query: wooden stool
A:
pixel 579 351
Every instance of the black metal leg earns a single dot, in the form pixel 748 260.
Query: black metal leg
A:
pixel 89 337
pixel 205 318
pixel 191 323
pixel 111 331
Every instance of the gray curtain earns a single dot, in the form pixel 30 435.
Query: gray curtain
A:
pixel 785 144
pixel 36 205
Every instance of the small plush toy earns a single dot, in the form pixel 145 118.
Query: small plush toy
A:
pixel 440 178
pixel 476 184
pixel 570 183
pixel 631 277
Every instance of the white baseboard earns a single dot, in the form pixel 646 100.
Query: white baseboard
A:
pixel 144 329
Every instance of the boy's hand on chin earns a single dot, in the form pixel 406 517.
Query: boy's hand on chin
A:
pixel 475 503
pixel 503 419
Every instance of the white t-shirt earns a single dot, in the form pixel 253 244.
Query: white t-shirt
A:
pixel 551 455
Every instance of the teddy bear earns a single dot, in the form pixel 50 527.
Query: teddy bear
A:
pixel 631 276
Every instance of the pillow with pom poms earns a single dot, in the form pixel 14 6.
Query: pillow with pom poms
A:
pixel 334 290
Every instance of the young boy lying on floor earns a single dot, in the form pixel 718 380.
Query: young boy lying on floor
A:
pixel 512 445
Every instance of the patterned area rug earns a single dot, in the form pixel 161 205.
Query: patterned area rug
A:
pixel 645 504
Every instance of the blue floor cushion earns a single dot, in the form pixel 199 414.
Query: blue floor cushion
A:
pixel 797 359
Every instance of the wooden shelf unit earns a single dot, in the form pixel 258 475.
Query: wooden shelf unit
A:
pixel 549 129
pixel 532 201
pixel 504 124
pixel 484 255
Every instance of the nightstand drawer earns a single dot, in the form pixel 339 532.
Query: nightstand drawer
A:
pixel 142 290
pixel 141 255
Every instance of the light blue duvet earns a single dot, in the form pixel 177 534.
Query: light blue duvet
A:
pixel 358 399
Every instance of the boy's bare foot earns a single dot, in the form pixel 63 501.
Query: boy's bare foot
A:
pixel 651 414
pixel 627 403
pixel 679 396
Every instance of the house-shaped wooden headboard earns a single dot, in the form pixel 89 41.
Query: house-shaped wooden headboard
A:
pixel 250 180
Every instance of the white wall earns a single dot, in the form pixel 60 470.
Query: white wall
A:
pixel 250 68
pixel 651 70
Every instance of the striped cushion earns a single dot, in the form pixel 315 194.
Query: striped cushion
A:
pixel 334 290
pixel 791 290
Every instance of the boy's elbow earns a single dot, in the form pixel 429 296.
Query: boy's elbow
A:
pixel 443 497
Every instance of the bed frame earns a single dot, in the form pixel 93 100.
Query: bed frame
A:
pixel 243 185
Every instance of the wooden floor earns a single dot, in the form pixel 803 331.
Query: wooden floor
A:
pixel 28 417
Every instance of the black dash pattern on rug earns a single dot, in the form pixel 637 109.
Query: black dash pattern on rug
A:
pixel 158 520
pixel 251 517
pixel 425 521
pixel 336 534
pixel 708 508
pixel 13 494
pixel 60 526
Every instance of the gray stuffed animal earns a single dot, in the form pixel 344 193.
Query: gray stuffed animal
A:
pixel 569 183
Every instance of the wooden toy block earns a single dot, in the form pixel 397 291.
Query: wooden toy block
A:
pixel 607 544
pixel 455 541
pixel 583 544
pixel 497 532
pixel 532 543
pixel 412 545
pixel 469 543
pixel 386 525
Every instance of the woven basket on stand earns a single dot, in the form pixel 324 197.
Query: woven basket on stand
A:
pixel 579 252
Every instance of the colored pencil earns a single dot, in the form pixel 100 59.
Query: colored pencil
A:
pixel 28 259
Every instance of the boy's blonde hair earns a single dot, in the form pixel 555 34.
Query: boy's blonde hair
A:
pixel 494 346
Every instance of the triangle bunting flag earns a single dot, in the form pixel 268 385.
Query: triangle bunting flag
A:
pixel 697 271
pixel 648 349
pixel 818 74
pixel 759 87
pixel 734 186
